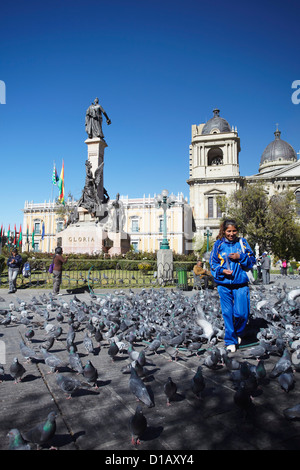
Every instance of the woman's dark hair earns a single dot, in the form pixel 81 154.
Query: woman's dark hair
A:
pixel 58 250
pixel 224 225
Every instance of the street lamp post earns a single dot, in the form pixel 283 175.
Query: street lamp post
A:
pixel 207 234
pixel 164 254
pixel 165 202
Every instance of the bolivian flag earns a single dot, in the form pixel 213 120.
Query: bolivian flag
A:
pixel 61 185
pixel 20 237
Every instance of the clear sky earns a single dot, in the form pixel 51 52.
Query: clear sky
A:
pixel 157 67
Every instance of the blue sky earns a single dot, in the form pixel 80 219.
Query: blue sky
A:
pixel 157 67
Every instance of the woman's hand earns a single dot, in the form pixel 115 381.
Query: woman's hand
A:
pixel 234 256
pixel 227 271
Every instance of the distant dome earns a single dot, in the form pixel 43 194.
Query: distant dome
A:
pixel 216 124
pixel 278 153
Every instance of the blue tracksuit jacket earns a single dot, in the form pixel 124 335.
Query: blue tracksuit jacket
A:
pixel 233 289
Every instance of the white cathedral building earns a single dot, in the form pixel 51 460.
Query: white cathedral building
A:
pixel 214 169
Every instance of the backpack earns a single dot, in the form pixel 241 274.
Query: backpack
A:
pixel 26 271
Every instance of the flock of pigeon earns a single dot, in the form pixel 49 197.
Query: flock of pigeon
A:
pixel 157 320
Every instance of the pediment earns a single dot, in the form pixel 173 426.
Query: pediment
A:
pixel 214 192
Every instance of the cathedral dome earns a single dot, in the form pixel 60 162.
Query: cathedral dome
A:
pixel 216 124
pixel 277 153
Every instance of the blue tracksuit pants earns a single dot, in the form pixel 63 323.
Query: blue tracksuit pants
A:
pixel 235 305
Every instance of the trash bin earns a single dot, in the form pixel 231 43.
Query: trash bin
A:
pixel 182 278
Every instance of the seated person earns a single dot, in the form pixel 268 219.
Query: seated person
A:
pixel 203 274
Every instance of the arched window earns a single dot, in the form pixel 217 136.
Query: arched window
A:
pixel 297 195
pixel 215 157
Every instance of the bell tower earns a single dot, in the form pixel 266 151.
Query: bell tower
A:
pixel 213 168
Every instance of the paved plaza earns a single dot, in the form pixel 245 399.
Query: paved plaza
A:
pixel 98 418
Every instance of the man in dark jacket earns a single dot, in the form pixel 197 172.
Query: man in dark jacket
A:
pixel 14 264
pixel 265 268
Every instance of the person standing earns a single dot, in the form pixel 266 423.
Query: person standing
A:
pixel 265 268
pixel 284 267
pixel 230 259
pixel 14 264
pixel 58 262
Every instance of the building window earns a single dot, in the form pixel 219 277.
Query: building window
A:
pixel 297 194
pixel 134 225
pixel 37 228
pixel 35 246
pixel 161 224
pixel 210 207
pixel 60 225
pixel 135 247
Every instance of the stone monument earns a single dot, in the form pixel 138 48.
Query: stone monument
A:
pixel 96 223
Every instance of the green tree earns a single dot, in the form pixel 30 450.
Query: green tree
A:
pixel 284 231
pixel 269 221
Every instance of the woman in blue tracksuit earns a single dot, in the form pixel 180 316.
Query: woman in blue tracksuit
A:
pixel 230 259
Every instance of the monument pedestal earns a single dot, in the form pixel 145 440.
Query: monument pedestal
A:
pixel 83 237
pixel 120 243
pixel 164 265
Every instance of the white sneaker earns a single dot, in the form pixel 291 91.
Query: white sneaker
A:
pixel 239 340
pixel 231 348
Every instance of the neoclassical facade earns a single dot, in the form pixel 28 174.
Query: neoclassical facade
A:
pixel 143 222
pixel 214 169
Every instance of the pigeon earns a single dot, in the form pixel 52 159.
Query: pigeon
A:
pixel 29 353
pixel 43 432
pixel 282 365
pixel 48 343
pixel 133 354
pixel 113 349
pixel 231 363
pixel 286 380
pixel 52 361
pixel 16 441
pixel 258 351
pixel 198 383
pixel 60 317
pixel 29 334
pixel 7 320
pixel 138 388
pixel 17 370
pixel 137 425
pixel 90 373
pixel 68 385
pixel 75 361
pixel 88 344
pixel 1 372
pixel 56 332
pixel 292 412
pixel 170 389
pixel 154 345
pixel 212 359
pixel 259 370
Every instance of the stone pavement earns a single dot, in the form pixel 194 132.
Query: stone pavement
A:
pixel 97 419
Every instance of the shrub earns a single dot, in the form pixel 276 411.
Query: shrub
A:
pixel 144 267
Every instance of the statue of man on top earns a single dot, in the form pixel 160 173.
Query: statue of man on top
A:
pixel 93 120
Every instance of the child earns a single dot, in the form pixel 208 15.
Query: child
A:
pixel 230 259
